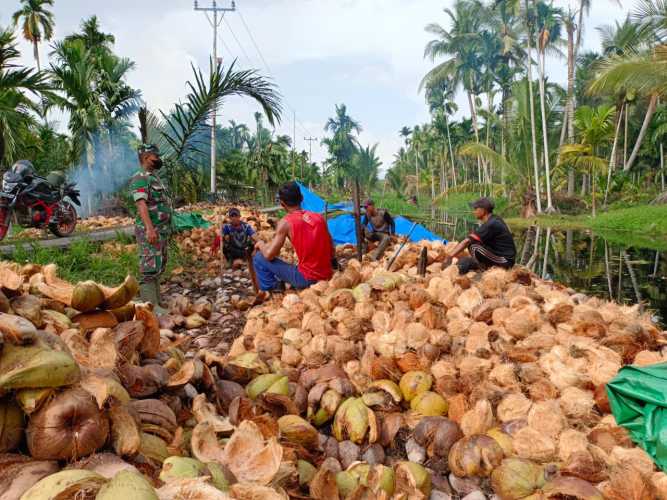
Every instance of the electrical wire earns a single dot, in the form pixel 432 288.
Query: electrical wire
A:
pixel 243 51
pixel 268 69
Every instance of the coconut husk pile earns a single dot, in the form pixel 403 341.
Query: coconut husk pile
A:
pixel 382 384
pixel 96 222
pixel 96 393
pixel 374 385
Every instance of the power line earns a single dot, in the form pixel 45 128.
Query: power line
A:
pixel 268 69
pixel 243 51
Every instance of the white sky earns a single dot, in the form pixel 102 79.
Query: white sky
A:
pixel 364 53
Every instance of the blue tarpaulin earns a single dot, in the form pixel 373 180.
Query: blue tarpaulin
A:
pixel 342 230
pixel 342 227
pixel 314 203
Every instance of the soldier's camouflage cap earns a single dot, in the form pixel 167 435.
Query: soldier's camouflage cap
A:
pixel 149 148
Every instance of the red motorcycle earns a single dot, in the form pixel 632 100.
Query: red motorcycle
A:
pixel 39 202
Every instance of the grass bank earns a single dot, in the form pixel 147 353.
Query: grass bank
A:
pixel 641 226
pixel 104 262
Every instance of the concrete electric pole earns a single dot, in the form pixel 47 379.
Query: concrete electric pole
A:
pixel 215 23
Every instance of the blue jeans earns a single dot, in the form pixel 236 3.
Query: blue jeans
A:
pixel 271 272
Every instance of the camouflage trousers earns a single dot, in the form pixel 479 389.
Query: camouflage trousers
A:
pixel 152 257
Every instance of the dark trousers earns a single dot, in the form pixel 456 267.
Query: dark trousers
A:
pixel 233 252
pixel 482 258
pixel 382 237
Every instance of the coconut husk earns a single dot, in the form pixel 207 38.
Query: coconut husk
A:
pixel 27 367
pixel 125 431
pixel 96 319
pixel 16 329
pixel 150 342
pixel 69 427
pixel 533 445
pixel 17 478
pixel 115 298
pixel 71 483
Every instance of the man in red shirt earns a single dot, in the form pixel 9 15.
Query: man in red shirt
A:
pixel 310 238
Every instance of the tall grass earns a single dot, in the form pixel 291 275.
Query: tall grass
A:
pixel 87 260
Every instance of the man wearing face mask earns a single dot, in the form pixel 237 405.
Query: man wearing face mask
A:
pixel 153 223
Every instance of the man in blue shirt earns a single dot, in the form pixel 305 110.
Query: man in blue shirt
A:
pixel 238 237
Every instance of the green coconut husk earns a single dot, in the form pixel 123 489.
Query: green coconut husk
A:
pixel 127 485
pixel 29 367
pixel 71 483
pixel 31 400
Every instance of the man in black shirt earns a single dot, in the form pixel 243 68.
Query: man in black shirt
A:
pixel 378 225
pixel 491 244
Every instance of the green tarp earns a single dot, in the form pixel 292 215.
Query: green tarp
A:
pixel 184 221
pixel 638 400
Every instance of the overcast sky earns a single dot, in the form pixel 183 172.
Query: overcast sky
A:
pixel 364 53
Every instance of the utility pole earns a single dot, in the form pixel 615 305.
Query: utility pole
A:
pixel 310 148
pixel 215 23
pixel 294 145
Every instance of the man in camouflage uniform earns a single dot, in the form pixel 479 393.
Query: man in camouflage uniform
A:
pixel 153 224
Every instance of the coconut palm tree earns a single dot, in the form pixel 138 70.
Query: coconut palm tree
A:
pixel 367 166
pixel 595 127
pixel 92 36
pixel 342 145
pixel 461 44
pixel 182 134
pixel 36 23
pixel 530 27
pixel 549 25
pixel 73 73
pixel 17 85
pixel 645 73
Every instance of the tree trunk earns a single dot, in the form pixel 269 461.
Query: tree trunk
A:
pixel 443 175
pixel 417 174
pixel 625 135
pixel 473 115
pixel 662 167
pixel 451 151
pixel 592 176
pixel 35 48
pixel 532 119
pixel 612 159
pixel 570 102
pixel 545 134
pixel 647 120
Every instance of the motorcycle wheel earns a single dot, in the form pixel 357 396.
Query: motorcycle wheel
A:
pixel 67 222
pixel 4 222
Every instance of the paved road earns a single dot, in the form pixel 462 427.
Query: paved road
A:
pixel 100 235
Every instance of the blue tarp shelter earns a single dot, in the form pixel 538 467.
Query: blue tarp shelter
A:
pixel 314 203
pixel 342 227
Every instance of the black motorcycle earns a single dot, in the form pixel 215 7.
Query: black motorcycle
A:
pixel 39 202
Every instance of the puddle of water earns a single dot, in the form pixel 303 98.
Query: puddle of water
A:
pixel 581 260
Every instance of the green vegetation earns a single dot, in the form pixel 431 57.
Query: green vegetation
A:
pixel 84 260
pixel 594 143
pixel 642 226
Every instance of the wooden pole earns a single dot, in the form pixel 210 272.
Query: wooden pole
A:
pixel 357 218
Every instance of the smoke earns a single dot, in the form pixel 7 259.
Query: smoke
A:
pixel 104 170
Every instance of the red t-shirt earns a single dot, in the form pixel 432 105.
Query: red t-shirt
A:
pixel 312 242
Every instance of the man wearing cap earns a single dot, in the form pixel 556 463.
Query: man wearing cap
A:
pixel 491 244
pixel 378 226
pixel 310 238
pixel 153 223
pixel 238 237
